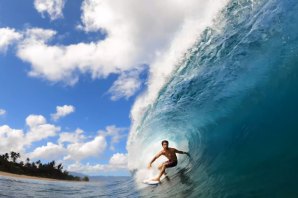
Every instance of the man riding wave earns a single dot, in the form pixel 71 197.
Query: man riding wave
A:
pixel 168 152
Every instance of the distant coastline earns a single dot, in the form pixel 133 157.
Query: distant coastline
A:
pixel 34 170
pixel 18 176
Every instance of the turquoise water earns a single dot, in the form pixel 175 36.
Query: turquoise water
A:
pixel 234 101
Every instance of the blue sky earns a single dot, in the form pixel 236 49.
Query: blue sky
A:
pixel 23 95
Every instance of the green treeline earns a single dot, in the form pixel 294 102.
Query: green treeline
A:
pixel 8 163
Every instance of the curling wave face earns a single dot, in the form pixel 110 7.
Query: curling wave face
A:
pixel 233 104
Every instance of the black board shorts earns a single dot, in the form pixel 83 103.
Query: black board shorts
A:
pixel 170 164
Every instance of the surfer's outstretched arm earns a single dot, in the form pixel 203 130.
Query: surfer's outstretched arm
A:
pixel 181 152
pixel 155 157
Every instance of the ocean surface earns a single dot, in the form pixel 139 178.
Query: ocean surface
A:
pixel 232 102
pixel 99 187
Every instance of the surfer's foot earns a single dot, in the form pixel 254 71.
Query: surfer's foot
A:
pixel 156 179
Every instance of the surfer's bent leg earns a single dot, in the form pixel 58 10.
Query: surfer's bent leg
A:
pixel 160 166
pixel 162 171
pixel 163 166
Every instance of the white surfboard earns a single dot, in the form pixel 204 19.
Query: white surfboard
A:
pixel 150 182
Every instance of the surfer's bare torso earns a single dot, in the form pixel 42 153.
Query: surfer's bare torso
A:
pixel 170 153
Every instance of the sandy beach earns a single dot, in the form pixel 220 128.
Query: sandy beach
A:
pixel 6 174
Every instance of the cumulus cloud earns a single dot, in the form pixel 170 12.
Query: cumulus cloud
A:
pixel 76 146
pixel 50 151
pixel 135 35
pixel 39 128
pixel 52 7
pixel 62 63
pixel 62 111
pixel 71 137
pixel 78 151
pixel 2 112
pixel 127 84
pixel 11 139
pixel 70 147
pixel 117 162
pixel 7 37
pixel 35 120
pixel 18 139
pixel 115 133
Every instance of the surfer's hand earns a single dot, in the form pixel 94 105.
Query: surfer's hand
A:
pixel 149 166
pixel 187 154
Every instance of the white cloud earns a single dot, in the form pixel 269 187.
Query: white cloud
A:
pixel 7 37
pixel 71 146
pixel 49 152
pixel 62 111
pixel 18 140
pixel 35 120
pixel 71 137
pixel 78 151
pixel 115 133
pixel 52 7
pixel 86 168
pixel 62 63
pixel 11 139
pixel 136 35
pixel 39 129
pixel 117 162
pixel 38 35
pixel 2 112
pixel 127 84
pixel 76 147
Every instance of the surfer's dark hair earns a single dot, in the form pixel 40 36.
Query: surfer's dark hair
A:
pixel 164 141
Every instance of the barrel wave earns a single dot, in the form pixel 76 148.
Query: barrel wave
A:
pixel 233 103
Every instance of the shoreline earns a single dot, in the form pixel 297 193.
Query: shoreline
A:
pixel 13 175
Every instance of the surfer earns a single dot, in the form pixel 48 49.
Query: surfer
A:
pixel 168 152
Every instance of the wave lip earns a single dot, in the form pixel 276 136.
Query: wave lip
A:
pixel 232 103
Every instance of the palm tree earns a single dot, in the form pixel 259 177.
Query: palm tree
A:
pixel 14 156
pixel 6 156
pixel 27 162
pixel 33 165
pixel 52 164
pixel 60 167
pixel 18 155
pixel 38 163
pixel 85 178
